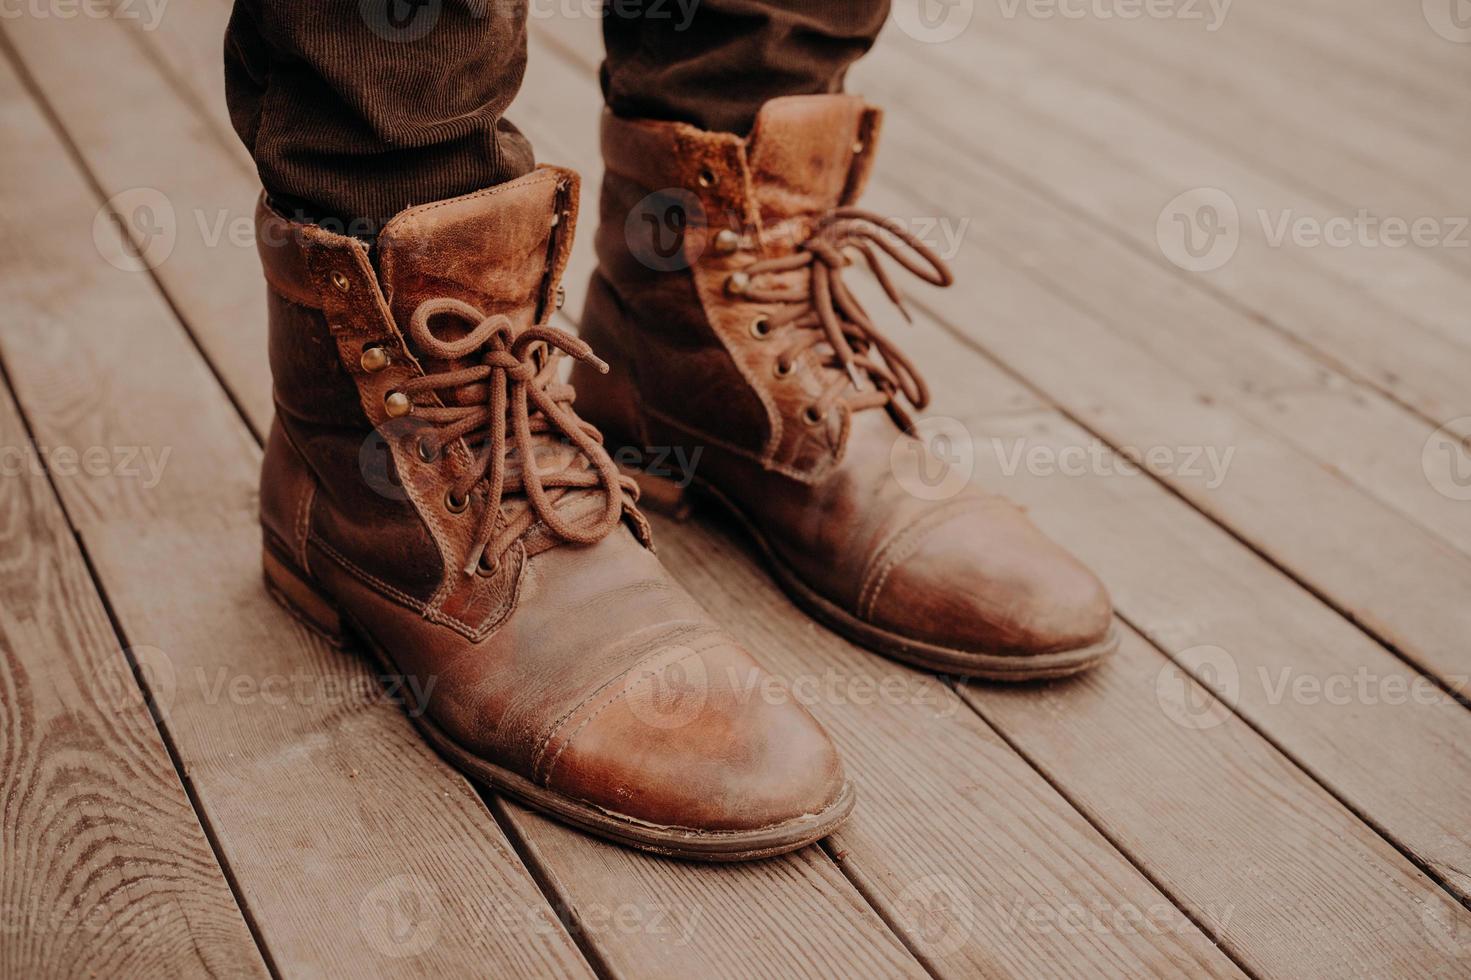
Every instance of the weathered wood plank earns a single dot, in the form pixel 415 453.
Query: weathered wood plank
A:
pixel 753 907
pixel 786 903
pixel 104 868
pixel 1386 740
pixel 1140 712
pixel 354 847
pixel 1290 884
pixel 1111 165
pixel 1300 133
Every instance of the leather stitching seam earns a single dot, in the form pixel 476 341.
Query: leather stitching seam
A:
pixel 903 544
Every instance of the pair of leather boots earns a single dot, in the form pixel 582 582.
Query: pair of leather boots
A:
pixel 429 487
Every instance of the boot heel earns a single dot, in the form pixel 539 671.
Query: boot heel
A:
pixel 661 494
pixel 303 600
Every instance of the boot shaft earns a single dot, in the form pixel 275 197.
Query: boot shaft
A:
pixel 344 466
pixel 683 212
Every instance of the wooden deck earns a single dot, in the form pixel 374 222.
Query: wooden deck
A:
pixel 1273 778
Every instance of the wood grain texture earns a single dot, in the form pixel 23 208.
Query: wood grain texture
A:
pixel 1113 165
pixel 941 865
pixel 1291 883
pixel 1118 387
pixel 959 843
pixel 1255 814
pixel 355 848
pixel 104 868
pixel 808 918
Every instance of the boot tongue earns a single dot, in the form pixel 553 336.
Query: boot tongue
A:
pixel 489 249
pixel 810 153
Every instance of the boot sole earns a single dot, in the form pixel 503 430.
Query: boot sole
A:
pixel 930 656
pixel 294 591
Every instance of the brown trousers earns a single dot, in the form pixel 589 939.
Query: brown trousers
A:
pixel 356 109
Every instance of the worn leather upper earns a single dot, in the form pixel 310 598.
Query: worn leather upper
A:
pixel 695 368
pixel 582 667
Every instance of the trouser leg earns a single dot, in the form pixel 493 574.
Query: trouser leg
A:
pixel 356 109
pixel 713 63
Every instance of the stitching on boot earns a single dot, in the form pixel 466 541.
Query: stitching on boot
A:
pixel 900 546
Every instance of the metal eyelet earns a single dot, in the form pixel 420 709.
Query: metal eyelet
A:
pixel 491 569
pixel 374 359
pixel 341 281
pixel 761 327
pixel 811 415
pixel 397 404
pixel 738 283
pixel 707 177
pixel 455 506
pixel 427 453
pixel 782 368
pixel 727 242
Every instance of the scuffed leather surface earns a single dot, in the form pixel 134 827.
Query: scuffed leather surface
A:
pixel 970 573
pixel 544 667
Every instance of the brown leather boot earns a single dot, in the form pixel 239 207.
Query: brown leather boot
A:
pixel 428 486
pixel 740 341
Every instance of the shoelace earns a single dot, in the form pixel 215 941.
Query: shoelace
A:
pixel 520 369
pixel 828 305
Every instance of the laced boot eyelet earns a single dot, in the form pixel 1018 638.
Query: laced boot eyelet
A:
pixel 487 567
pixel 738 283
pixel 706 177
pixel 341 281
pixel 374 359
pixel 811 415
pixel 761 327
pixel 455 506
pixel 782 368
pixel 727 242
pixel 397 404
pixel 427 453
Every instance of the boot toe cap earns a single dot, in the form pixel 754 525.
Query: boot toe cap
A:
pixel 698 739
pixel 986 580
